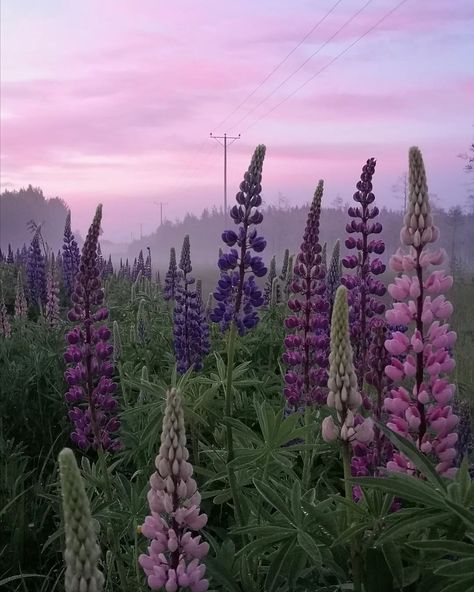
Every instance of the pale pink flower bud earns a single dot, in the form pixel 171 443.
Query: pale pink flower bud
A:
pixel 330 432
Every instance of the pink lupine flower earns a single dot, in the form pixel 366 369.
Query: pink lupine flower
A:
pixel 423 415
pixel 173 560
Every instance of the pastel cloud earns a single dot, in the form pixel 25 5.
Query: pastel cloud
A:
pixel 126 107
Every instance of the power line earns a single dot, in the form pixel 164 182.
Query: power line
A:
pixel 334 59
pixel 267 77
pixel 278 66
pixel 290 76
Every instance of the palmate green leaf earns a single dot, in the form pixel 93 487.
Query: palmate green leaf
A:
pixel 350 533
pixel 393 558
pixel 463 568
pixel 309 545
pixel 419 459
pixel 278 565
pixel 296 506
pixel 444 546
pixel 404 487
pixel 459 586
pixel 271 496
pixel 262 544
pixel 466 515
pixel 412 521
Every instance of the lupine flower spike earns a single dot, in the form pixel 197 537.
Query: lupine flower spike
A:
pixel 82 551
pixel 307 345
pixel 190 340
pixel 5 328
pixel 421 398
pixel 71 256
pixel 36 272
pixel 89 376
pixel 171 277
pixel 237 295
pixel 173 561
pixel 344 396
pixel 364 288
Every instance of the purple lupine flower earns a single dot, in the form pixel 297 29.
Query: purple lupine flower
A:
pixel 36 272
pixel 307 344
pixel 173 559
pixel 464 443
pixel 71 256
pixel 138 266
pixel 189 344
pixel 364 288
pixel 51 312
pixel 147 267
pixel 89 376
pixel 420 402
pixel 134 272
pixel 108 268
pixel 2 257
pixel 171 277
pixel 5 327
pixel 237 294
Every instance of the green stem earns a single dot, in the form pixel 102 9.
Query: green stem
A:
pixel 122 385
pixel 228 413
pixel 113 541
pixel 308 452
pixel 355 564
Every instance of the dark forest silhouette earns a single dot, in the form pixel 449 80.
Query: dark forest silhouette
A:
pixel 282 228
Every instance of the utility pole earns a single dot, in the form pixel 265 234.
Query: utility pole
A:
pixel 226 143
pixel 161 204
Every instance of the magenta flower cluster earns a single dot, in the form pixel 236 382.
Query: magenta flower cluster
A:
pixel 307 346
pixel 90 373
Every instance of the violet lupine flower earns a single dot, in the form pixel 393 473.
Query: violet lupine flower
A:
pixel 189 346
pixel 134 273
pixel 307 345
pixel 364 288
pixel 21 305
pixel 5 327
pixel 173 561
pixel 147 267
pixel 464 444
pixel 109 267
pixel 171 277
pixel 237 295
pixel 51 312
pixel 36 273
pixel 89 376
pixel 71 256
pixel 420 402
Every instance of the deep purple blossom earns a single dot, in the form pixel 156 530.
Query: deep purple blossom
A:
pixel 364 289
pixel 237 295
pixel 190 343
pixel 90 370
pixel 71 256
pixel 36 272
pixel 147 267
pixel 307 344
pixel 171 277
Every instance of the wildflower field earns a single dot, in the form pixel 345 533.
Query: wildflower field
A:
pixel 306 427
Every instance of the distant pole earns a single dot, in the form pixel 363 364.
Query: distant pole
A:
pixel 225 137
pixel 161 204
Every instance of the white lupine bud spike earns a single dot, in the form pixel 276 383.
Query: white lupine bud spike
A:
pixel 82 551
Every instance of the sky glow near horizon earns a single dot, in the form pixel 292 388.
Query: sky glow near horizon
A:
pixel 113 101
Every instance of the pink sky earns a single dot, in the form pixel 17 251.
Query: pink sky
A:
pixel 113 100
